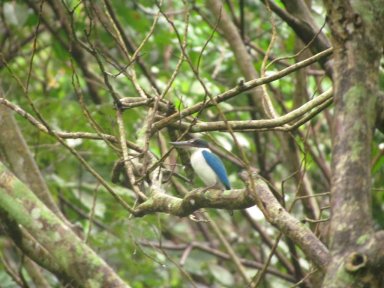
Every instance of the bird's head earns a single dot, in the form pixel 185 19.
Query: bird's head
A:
pixel 193 143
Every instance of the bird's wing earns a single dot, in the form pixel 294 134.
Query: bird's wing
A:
pixel 217 165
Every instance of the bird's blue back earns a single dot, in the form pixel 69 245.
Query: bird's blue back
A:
pixel 217 165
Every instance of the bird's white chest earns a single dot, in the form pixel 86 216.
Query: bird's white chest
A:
pixel 202 169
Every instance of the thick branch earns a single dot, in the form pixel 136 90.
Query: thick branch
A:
pixel 19 157
pixel 195 200
pixel 65 248
pixel 312 247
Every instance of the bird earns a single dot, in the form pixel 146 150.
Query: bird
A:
pixel 207 165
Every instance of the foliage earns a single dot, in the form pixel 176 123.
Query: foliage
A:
pixel 62 67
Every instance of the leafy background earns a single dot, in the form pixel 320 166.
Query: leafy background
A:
pixel 127 243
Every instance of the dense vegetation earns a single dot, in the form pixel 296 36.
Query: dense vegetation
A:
pixel 288 93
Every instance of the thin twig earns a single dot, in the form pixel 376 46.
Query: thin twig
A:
pixel 64 134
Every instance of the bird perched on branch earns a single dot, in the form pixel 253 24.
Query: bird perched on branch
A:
pixel 207 165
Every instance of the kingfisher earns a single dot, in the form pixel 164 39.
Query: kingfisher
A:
pixel 207 165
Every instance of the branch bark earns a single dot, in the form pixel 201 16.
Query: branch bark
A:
pixel 312 247
pixel 67 251
pixel 17 154
pixel 355 27
pixel 243 59
pixel 265 123
pixel 299 18
pixel 242 87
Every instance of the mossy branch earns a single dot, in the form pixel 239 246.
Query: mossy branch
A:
pixel 275 213
pixel 195 200
pixel 65 249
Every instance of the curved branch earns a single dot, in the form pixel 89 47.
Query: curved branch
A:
pixel 266 123
pixel 242 87
pixel 312 247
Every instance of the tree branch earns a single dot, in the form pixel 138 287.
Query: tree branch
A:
pixel 243 59
pixel 63 134
pixel 305 27
pixel 242 87
pixel 312 247
pixel 66 249
pixel 195 200
pixel 267 123
pixel 20 160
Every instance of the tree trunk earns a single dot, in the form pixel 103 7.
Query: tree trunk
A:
pixel 357 52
